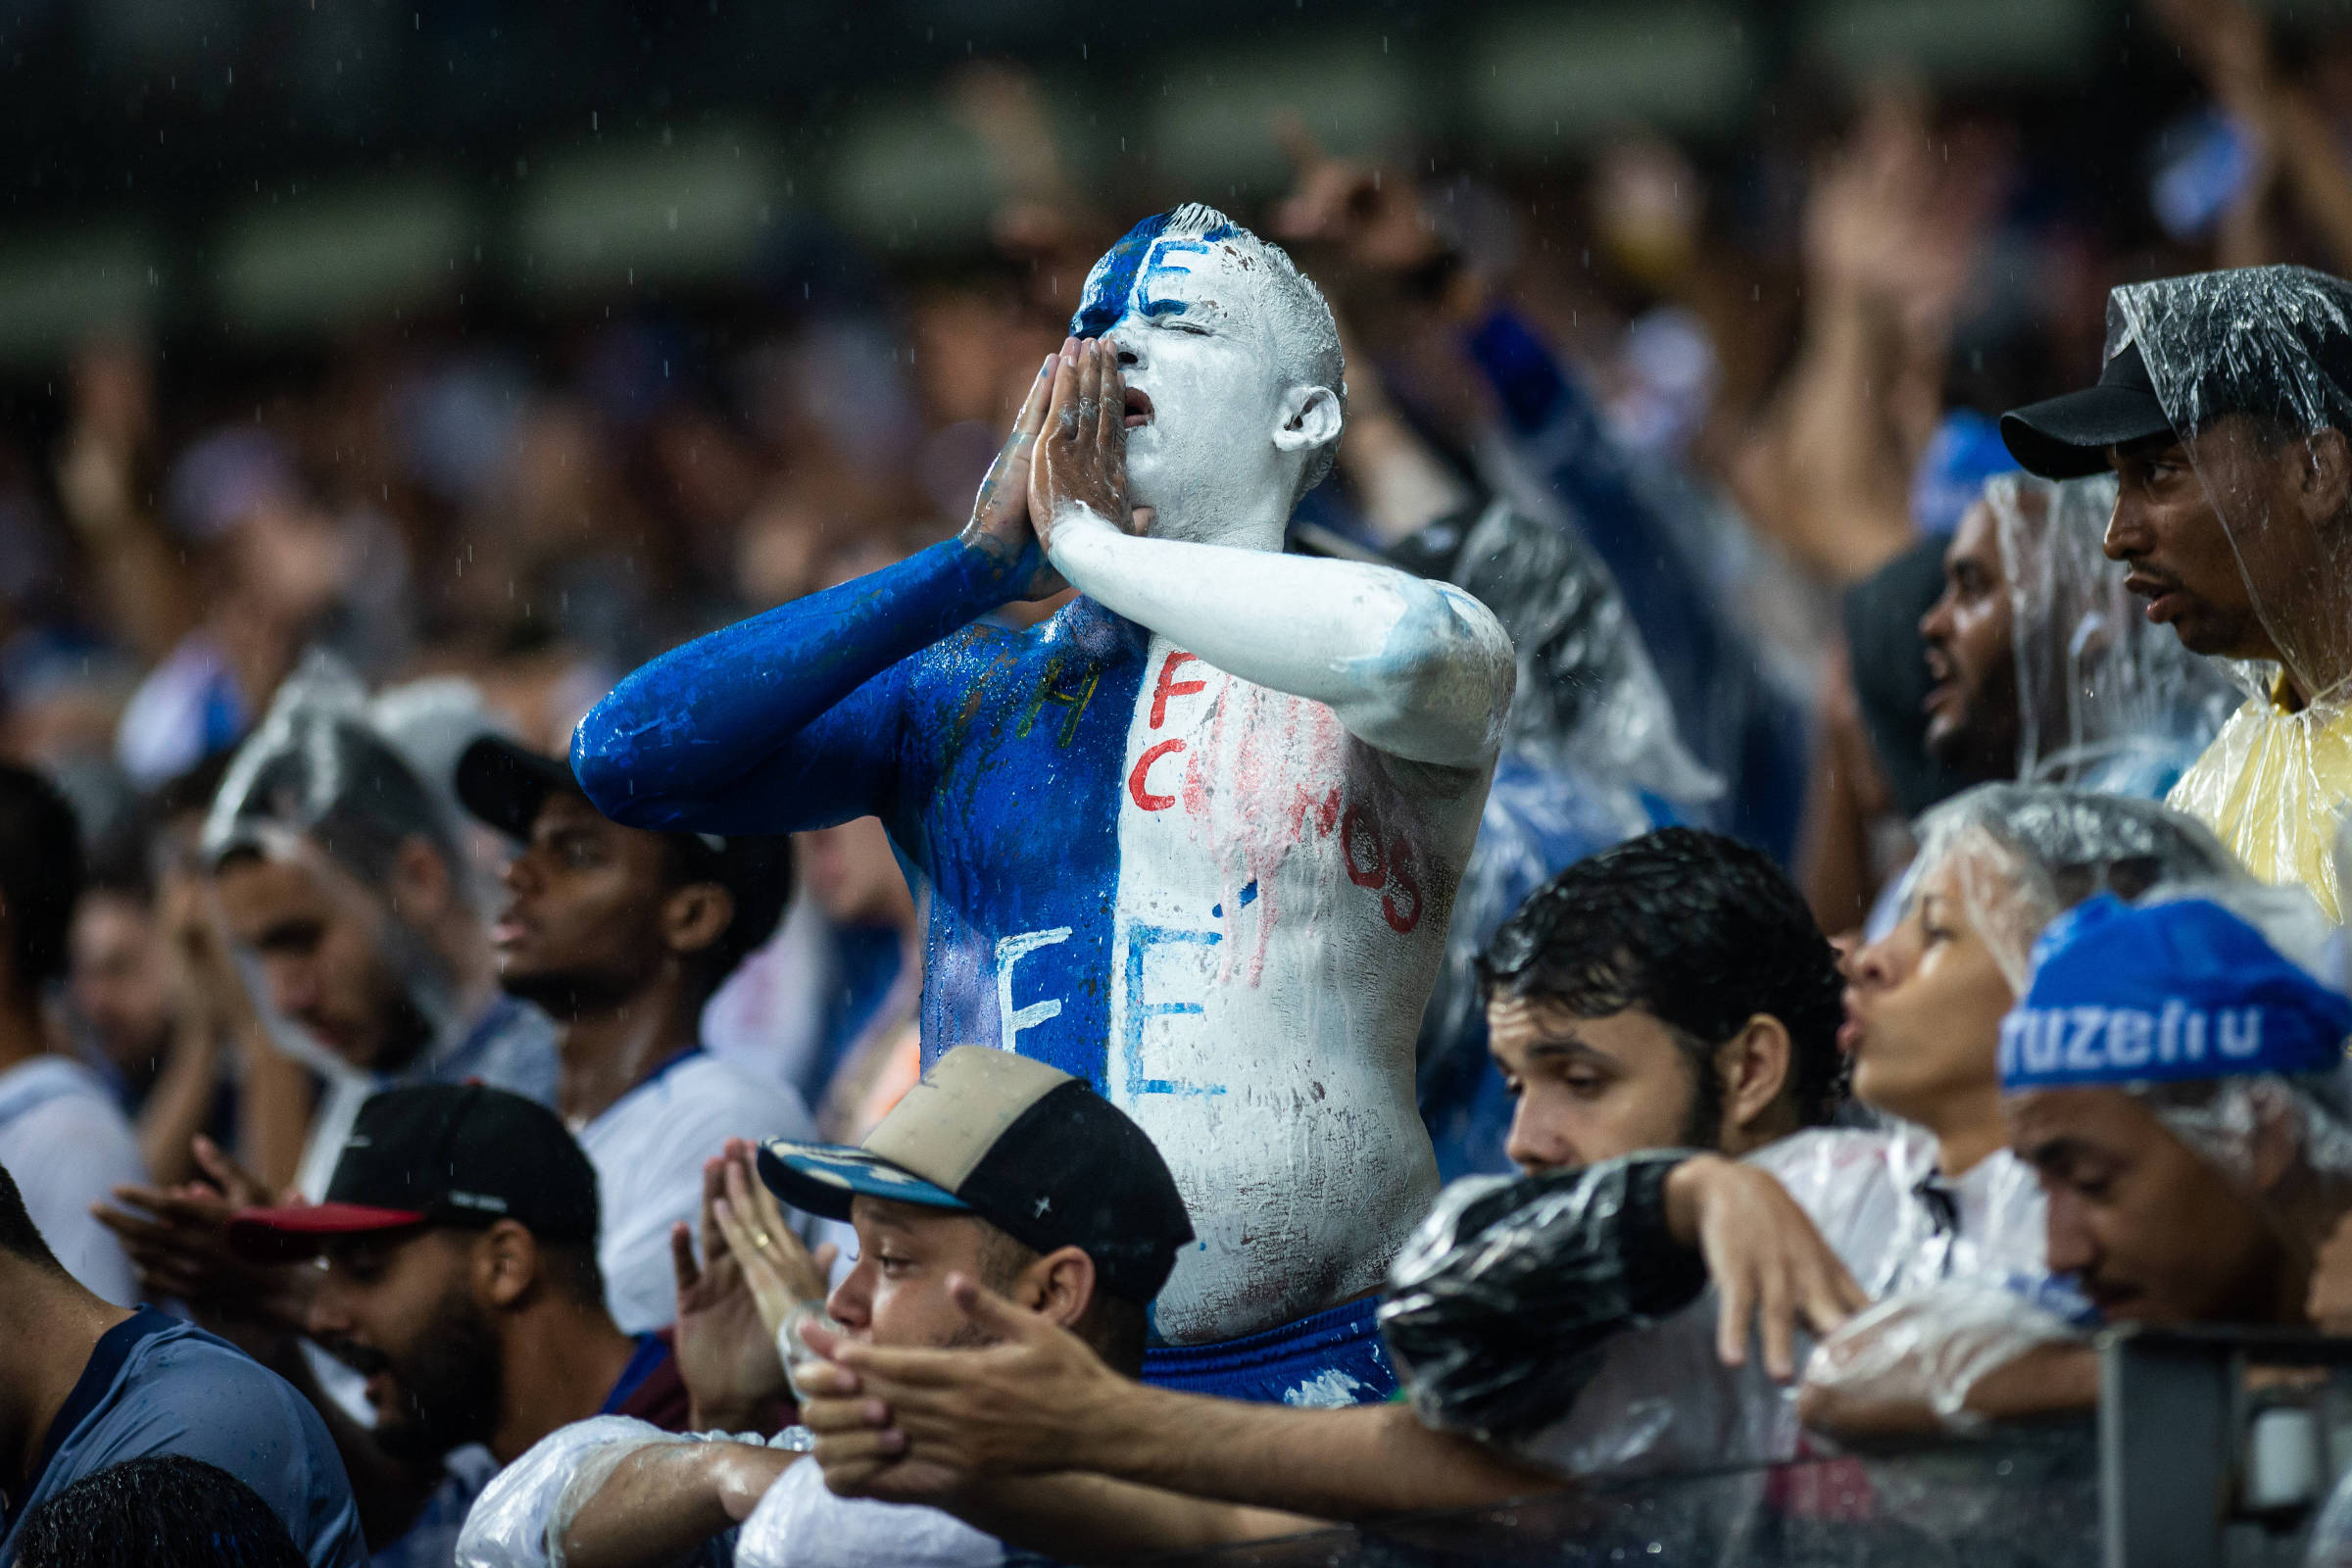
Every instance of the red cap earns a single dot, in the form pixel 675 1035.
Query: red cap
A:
pixel 298 1230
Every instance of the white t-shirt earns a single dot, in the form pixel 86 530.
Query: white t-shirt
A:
pixel 799 1523
pixel 67 1144
pixel 648 1148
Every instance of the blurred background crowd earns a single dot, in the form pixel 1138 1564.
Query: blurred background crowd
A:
pixel 521 343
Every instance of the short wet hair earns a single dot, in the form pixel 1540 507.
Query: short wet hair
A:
pixel 1695 929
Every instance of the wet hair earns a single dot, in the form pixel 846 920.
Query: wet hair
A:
pixel 40 876
pixel 1701 932
pixel 164 1511
pixel 19 1238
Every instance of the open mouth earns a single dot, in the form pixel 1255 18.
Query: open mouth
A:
pixel 2165 599
pixel 1139 408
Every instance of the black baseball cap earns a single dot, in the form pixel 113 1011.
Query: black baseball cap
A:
pixel 1023 1146
pixel 2265 340
pixel 504 784
pixel 2067 437
pixel 460 1155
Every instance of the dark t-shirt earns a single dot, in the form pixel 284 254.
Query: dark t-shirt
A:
pixel 157 1386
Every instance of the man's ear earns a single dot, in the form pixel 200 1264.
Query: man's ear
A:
pixel 506 1264
pixel 1310 419
pixel 420 885
pixel 1059 1286
pixel 2325 477
pixel 696 916
pixel 1754 1064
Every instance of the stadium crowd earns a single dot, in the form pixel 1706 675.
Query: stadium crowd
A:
pixel 516 854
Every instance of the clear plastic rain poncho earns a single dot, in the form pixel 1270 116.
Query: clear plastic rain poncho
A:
pixel 1590 758
pixel 2251 366
pixel 1931 1347
pixel 525 1513
pixel 1622 1373
pixel 328 772
pixel 2021 853
pixel 2106 701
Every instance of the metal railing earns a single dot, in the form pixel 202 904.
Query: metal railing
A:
pixel 2212 1449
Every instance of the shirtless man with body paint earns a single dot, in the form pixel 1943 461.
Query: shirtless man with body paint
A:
pixel 1196 838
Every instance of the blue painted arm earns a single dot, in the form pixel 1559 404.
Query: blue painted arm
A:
pixel 785 721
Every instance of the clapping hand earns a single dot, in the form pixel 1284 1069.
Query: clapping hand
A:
pixel 177 1239
pixel 727 1352
pixel 915 1426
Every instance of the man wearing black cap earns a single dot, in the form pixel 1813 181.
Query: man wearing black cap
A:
pixel 2222 410
pixel 459 1248
pixel 622 936
pixel 994 1168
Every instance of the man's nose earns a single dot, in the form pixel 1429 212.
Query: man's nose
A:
pixel 2128 536
pixel 1129 359
pixel 1935 626
pixel 518 874
pixel 1534 1147
pixel 326 1317
pixel 2072 1248
pixel 850 1305
pixel 293 988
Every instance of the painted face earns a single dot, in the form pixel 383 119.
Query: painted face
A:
pixel 2155 1234
pixel 1592 1088
pixel 324 944
pixel 1972 709
pixel 582 926
pixel 397 1309
pixel 1206 390
pixel 1923 1006
pixel 2166 527
pixel 896 1295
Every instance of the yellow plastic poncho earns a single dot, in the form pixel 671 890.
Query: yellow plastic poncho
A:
pixel 2273 787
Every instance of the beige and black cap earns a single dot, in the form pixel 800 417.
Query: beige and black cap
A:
pixel 1025 1147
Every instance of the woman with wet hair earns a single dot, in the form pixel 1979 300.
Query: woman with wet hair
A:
pixel 1935 1193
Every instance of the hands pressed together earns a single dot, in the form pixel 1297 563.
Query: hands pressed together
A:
pixel 754 1273
pixel 920 1426
pixel 1068 448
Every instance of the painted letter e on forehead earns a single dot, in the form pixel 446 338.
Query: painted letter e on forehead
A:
pixel 1128 269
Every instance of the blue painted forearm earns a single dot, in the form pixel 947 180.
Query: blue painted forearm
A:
pixel 695 724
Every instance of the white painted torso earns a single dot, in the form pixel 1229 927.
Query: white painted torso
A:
pixel 1283 897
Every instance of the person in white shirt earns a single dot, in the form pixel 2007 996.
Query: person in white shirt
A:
pixel 622 936
pixel 62 1135
pixel 995 1170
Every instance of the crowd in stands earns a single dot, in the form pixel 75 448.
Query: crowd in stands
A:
pixel 574 938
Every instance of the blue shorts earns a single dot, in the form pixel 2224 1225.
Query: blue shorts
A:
pixel 1332 1358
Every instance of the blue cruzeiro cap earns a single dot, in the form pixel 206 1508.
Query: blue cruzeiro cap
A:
pixel 2164 992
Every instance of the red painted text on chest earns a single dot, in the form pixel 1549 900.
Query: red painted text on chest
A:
pixel 1256 775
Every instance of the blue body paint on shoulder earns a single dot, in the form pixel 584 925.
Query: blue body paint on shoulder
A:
pixel 1113 278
